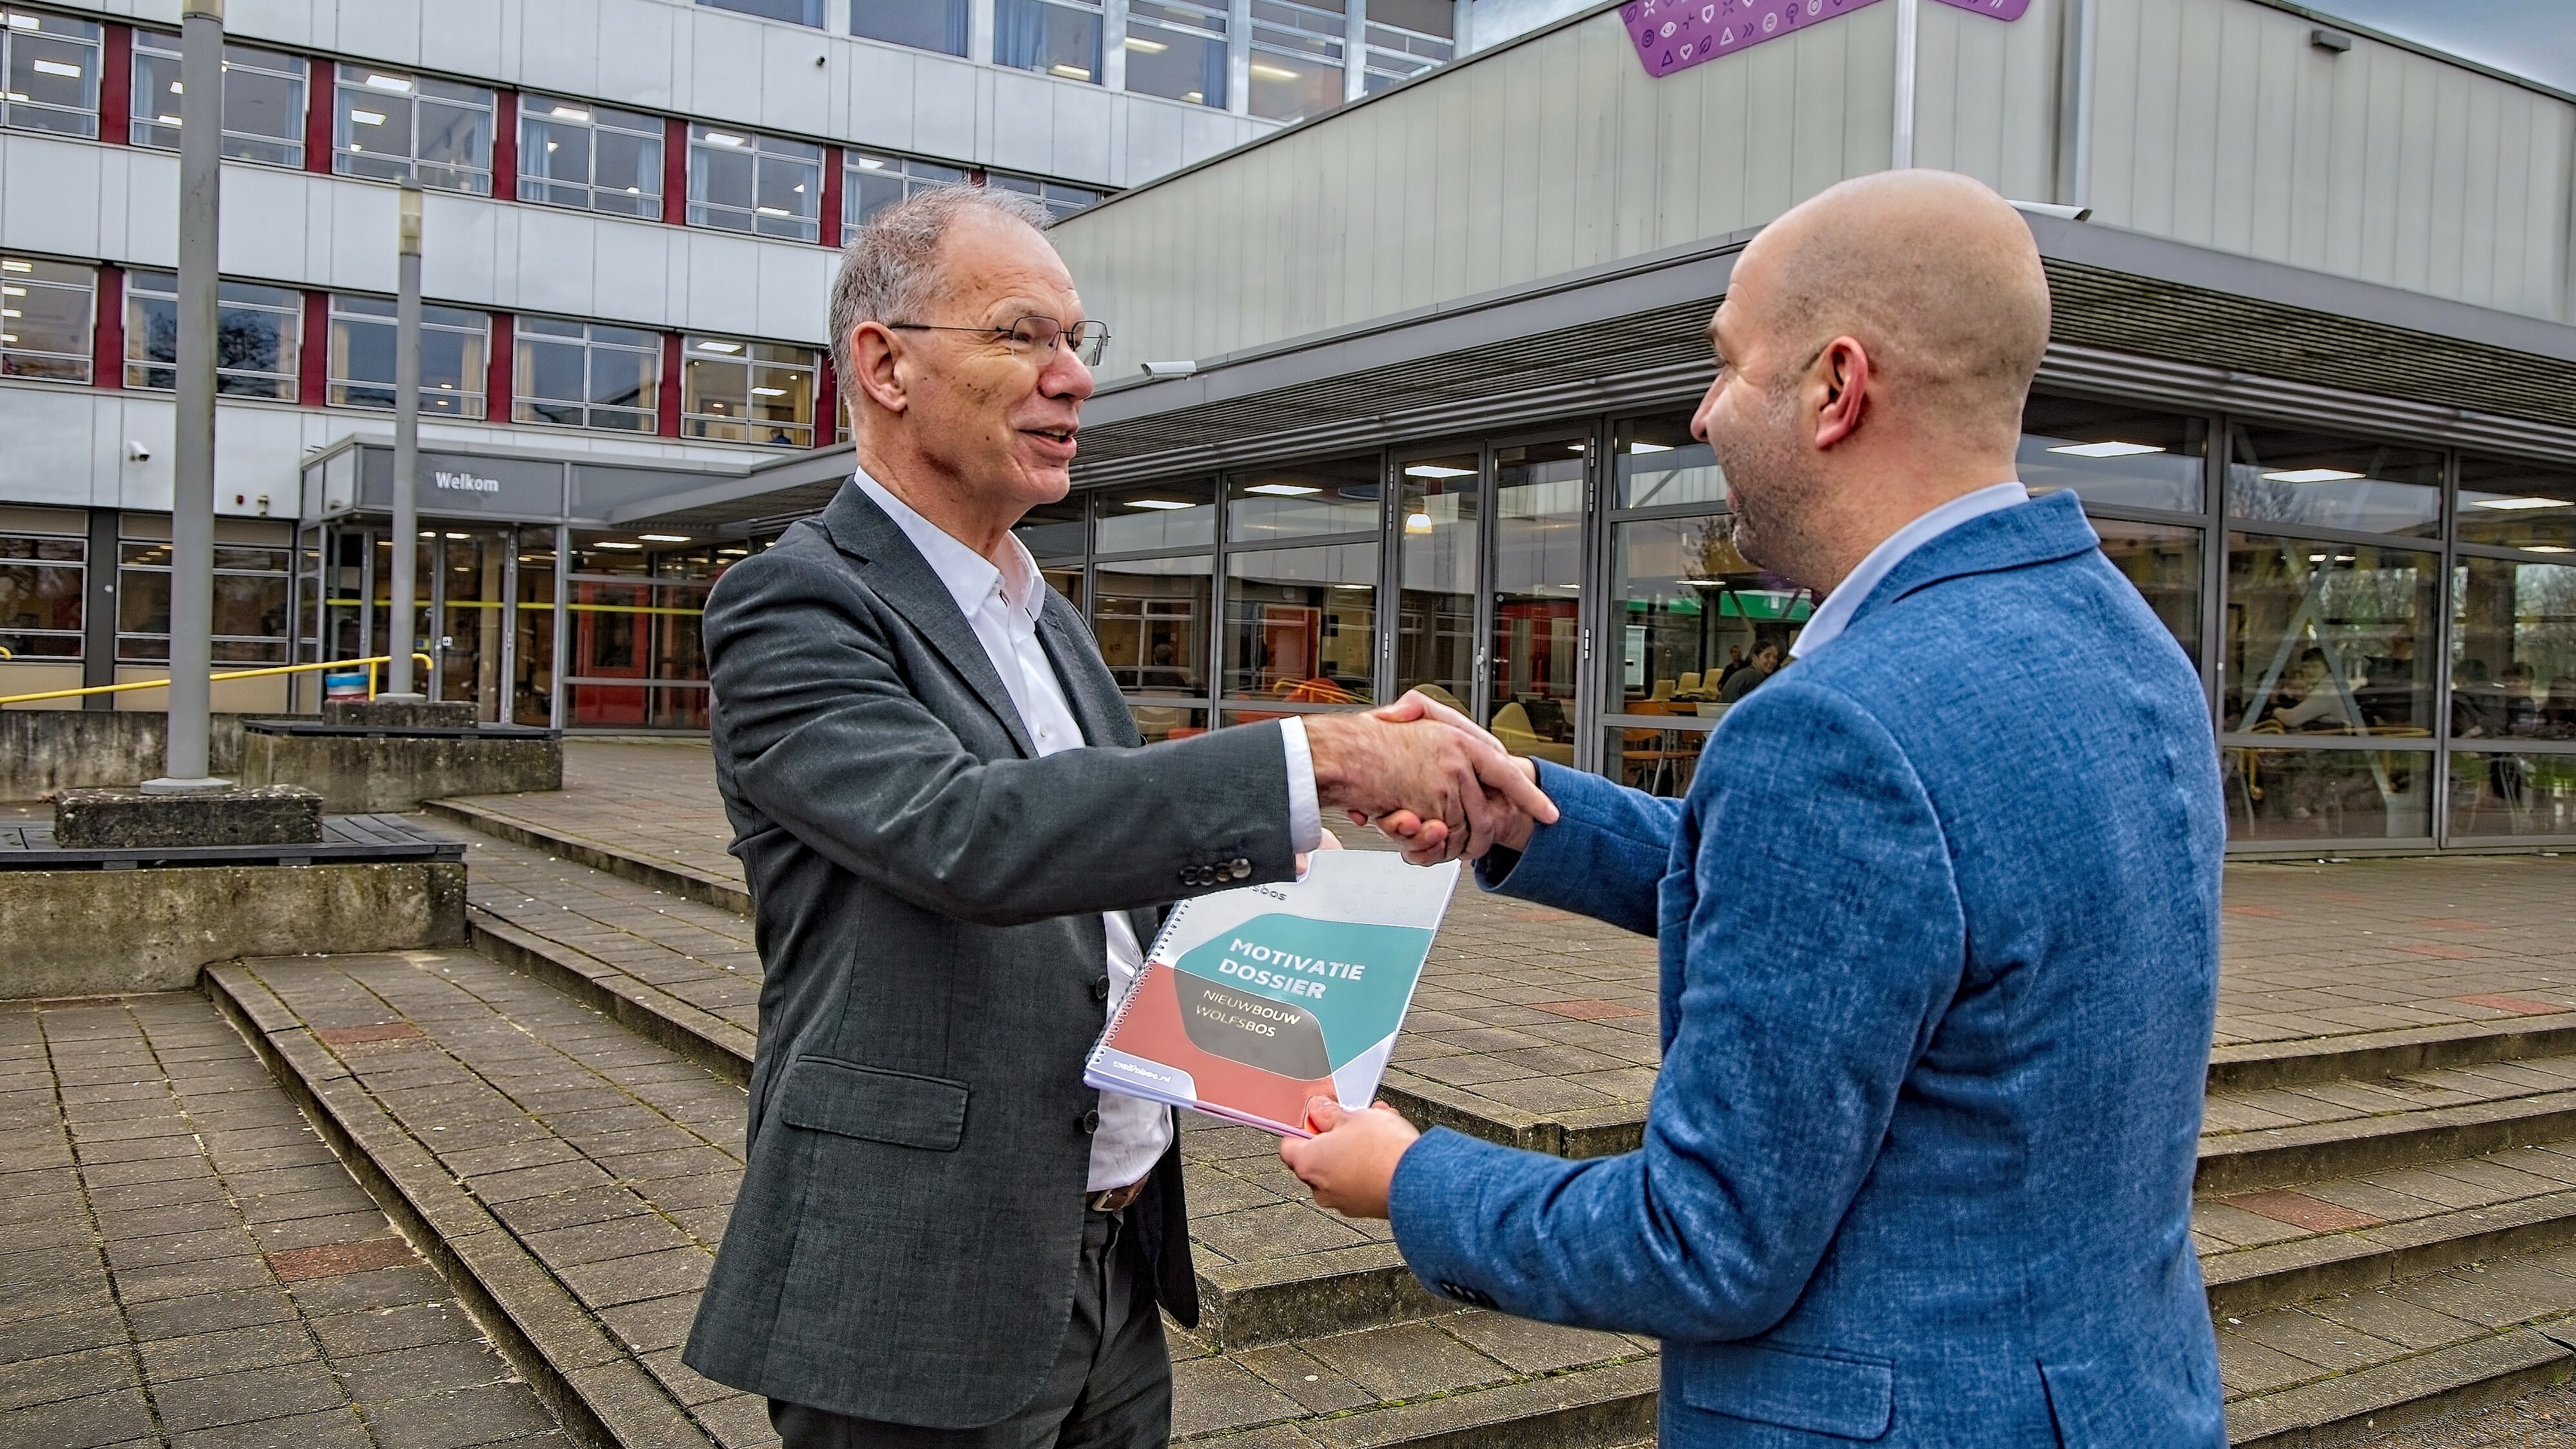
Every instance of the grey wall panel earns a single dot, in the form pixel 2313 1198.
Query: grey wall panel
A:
pixel 1548 157
pixel 1985 100
pixel 2218 123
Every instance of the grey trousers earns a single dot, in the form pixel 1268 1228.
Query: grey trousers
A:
pixel 1111 1387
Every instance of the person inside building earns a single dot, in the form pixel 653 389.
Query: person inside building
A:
pixel 2316 698
pixel 1764 664
pixel 1940 955
pixel 955 842
pixel 1735 663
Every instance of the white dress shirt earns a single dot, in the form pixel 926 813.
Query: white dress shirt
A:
pixel 1834 614
pixel 1001 599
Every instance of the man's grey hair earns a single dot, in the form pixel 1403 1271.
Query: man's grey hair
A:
pixel 890 270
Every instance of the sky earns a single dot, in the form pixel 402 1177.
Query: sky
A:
pixel 2530 38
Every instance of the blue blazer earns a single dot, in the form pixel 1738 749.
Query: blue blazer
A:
pixel 1939 927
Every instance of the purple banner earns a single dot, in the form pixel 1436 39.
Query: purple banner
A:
pixel 1674 35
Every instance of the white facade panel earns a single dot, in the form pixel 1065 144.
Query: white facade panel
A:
pixel 2218 123
pixel 1985 97
pixel 51 195
pixel 51 455
pixel 268 228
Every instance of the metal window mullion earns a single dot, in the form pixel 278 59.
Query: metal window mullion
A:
pixel 1217 599
pixel 1390 573
pixel 1592 604
pixel 1488 575
pixel 559 705
pixel 1238 58
pixel 1354 50
pixel 2218 446
pixel 2444 606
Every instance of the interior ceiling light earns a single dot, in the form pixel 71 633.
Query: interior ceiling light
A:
pixel 1150 47
pixel 735 552
pixel 617 545
pixel 1435 470
pixel 14 265
pixel 870 163
pixel 2106 450
pixel 10 312
pixel 389 83
pixel 720 347
pixel 2315 475
pixel 2547 548
pixel 172 120
pixel 775 210
pixel 13 291
pixel 56 67
pixel 2518 503
pixel 769 392
pixel 8 336
pixel 1155 503
pixel 367 118
pixel 1705 583
pixel 460 535
pixel 663 537
pixel 1194 95
pixel 176 88
pixel 720 138
pixel 1417 523
pixel 1272 72
pixel 568 113
pixel 1282 490
pixel 1069 72
pixel 1650 447
pixel 24 22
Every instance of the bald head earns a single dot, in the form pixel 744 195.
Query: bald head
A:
pixel 1932 272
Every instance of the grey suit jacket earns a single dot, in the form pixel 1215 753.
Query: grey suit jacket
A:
pixel 928 895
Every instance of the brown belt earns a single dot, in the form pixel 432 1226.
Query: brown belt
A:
pixel 1116 1198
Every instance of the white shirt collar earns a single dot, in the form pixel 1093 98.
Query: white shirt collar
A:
pixel 971 578
pixel 1835 613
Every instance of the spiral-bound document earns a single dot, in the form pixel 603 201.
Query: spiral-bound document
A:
pixel 1253 1001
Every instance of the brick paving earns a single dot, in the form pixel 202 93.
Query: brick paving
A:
pixel 188 1264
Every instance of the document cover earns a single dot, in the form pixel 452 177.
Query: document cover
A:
pixel 1252 1001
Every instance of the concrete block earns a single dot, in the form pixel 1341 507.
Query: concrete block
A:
pixel 44 750
pixel 97 932
pixel 113 819
pixel 406 714
pixel 377 772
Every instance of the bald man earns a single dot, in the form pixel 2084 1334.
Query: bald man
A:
pixel 1940 954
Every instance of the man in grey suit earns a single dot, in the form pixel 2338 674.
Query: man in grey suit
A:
pixel 956 844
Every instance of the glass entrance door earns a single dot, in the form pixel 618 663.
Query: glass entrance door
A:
pixel 1535 650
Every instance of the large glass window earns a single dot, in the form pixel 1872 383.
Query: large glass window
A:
pixel 2513 650
pixel 1438 551
pixel 732 391
pixel 740 181
pixel 574 153
pixel 1061 200
pixel 1154 517
pixel 1301 583
pixel 1176 49
pixel 46 315
pixel 586 375
pixel 2164 562
pixel 1538 584
pixel 250 604
pixel 258 336
pixel 938 25
pixel 394 126
pixel 1052 37
pixel 454 347
pixel 1052 533
pixel 870 184
pixel 2114 454
pixel 1406 38
pixel 1152 616
pixel 2509 504
pixel 41 584
pixel 2329 638
pixel 1296 58
pixel 794 12
pixel 2294 481
pixel 52 63
pixel 263 100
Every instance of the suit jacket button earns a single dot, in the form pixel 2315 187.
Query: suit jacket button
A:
pixel 1089 1121
pixel 1239 868
pixel 1100 988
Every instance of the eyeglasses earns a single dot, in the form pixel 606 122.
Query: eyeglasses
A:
pixel 1090 340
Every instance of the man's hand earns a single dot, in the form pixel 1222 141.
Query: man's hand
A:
pixel 1350 1162
pixel 1458 783
pixel 1422 840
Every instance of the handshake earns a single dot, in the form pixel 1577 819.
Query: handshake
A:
pixel 1427 778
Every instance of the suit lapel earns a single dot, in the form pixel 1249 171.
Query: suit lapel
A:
pixel 903 578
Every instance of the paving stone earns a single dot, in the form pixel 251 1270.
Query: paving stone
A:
pixel 266 1345
pixel 82 1423
pixel 234 1398
pixel 326 1429
pixel 1406 1361
pixel 485 1414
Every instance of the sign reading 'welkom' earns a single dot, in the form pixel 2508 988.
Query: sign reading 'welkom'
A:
pixel 1674 35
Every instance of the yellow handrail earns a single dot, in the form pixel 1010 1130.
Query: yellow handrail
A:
pixel 371 662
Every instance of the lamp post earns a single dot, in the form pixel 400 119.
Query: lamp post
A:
pixel 184 766
pixel 406 580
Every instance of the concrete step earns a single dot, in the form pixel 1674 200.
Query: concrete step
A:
pixel 680 878
pixel 2253 1066
pixel 572 1178
pixel 2277 1136
pixel 2334 1368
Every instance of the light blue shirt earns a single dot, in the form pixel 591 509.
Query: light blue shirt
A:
pixel 1827 623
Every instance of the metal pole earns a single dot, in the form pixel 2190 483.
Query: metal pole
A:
pixel 184 767
pixel 1908 31
pixel 406 583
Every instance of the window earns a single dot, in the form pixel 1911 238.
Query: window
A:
pixel 870 184
pixel 938 25
pixel 747 392
pixel 1301 601
pixel 2508 504
pixel 1061 200
pixel 263 100
pixel 1296 58
pixel 2114 454
pixel 250 604
pixel 258 332
pixel 1406 38
pixel 1052 37
pixel 794 12
pixel 2308 480
pixel 397 127
pixel 587 375
pixel 40 595
pixel 46 309
pixel 1437 551
pixel 52 65
pixel 453 347
pixel 1176 49
pixel 573 153
pixel 761 184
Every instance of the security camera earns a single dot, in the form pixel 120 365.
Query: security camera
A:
pixel 136 452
